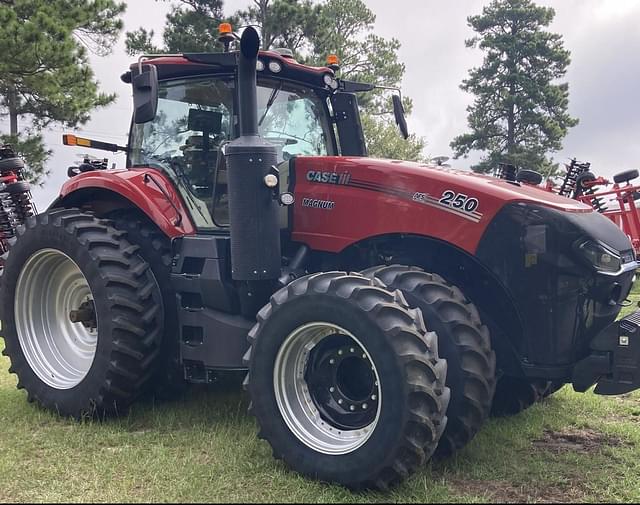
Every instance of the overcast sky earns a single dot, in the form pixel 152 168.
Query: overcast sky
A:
pixel 604 77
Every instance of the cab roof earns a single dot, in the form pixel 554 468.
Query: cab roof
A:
pixel 194 64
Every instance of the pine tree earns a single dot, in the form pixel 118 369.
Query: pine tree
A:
pixel 520 112
pixel 191 26
pixel 312 30
pixel 284 23
pixel 344 28
pixel 45 77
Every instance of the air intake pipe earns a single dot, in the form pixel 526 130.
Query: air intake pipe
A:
pixel 253 212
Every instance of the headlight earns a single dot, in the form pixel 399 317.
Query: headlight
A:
pixel 601 257
pixel 275 67
pixel 330 81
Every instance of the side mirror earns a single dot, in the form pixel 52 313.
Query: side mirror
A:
pixel 401 120
pixel 145 94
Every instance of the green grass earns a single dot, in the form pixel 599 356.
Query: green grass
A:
pixel 634 300
pixel 204 449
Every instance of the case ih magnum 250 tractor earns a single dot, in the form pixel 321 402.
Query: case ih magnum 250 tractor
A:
pixel 383 308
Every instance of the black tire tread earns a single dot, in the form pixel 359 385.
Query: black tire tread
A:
pixel 155 248
pixel 136 329
pixel 13 164
pixel 411 343
pixel 17 187
pixel 516 394
pixel 626 176
pixel 471 338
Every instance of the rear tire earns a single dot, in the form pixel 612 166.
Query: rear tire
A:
pixel 12 164
pixel 392 375
pixel 101 364
pixel 462 340
pixel 155 249
pixel 515 394
pixel 529 177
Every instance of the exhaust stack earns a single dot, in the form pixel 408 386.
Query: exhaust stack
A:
pixel 253 212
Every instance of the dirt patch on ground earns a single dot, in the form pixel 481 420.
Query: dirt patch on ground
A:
pixel 496 491
pixel 583 441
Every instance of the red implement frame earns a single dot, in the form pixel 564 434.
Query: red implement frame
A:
pixel 626 215
pixel 6 178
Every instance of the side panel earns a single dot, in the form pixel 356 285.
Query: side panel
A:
pixel 212 333
pixel 147 189
pixel 341 201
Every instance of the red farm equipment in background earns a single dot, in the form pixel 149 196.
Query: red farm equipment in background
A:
pixel 616 201
pixel 15 197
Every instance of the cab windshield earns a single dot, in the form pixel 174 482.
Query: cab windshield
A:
pixel 196 118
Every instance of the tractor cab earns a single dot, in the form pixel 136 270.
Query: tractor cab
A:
pixel 197 116
pixel 302 111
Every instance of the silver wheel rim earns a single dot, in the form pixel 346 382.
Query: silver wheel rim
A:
pixel 295 400
pixel 59 351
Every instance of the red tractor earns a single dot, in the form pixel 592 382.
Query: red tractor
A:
pixel 383 309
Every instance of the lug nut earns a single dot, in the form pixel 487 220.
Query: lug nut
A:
pixel 332 389
pixel 332 361
pixel 352 350
pixel 340 402
pixel 364 406
pixel 352 408
pixel 374 397
pixel 340 352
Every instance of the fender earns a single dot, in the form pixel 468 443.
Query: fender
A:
pixel 146 189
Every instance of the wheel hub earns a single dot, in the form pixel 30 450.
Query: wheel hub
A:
pixel 85 314
pixel 327 388
pixel 56 319
pixel 342 383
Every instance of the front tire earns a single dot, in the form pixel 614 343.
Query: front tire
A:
pixel 345 382
pixel 82 315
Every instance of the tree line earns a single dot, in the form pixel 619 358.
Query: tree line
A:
pixel 519 114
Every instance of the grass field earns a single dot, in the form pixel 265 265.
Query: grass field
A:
pixel 570 448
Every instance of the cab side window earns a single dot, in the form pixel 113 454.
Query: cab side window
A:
pixel 194 120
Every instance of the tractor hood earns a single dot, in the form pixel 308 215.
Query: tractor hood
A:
pixel 343 200
pixel 422 176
